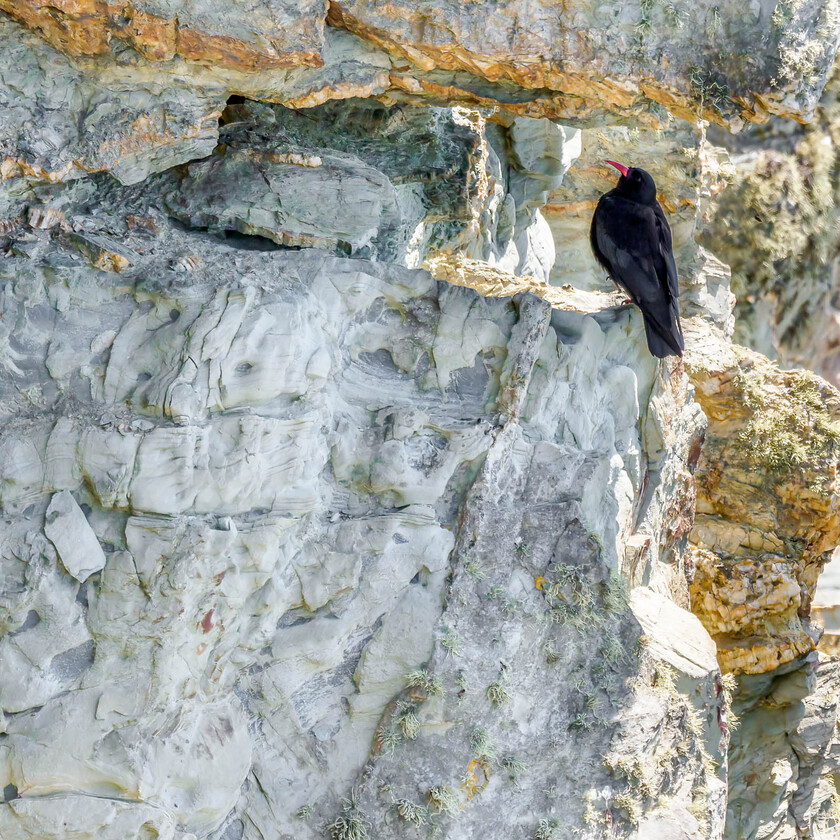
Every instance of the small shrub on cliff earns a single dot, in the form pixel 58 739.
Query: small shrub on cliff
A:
pixel 388 740
pixel 349 826
pixel 420 678
pixel 411 812
pixel 407 721
pixel 497 692
pixel 631 804
pixel 481 743
pixel 633 769
pixel 728 687
pixel 791 426
pixel 616 596
pixel 515 766
pixel 547 830
pixel 444 799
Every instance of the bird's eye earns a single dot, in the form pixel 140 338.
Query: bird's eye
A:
pixel 636 176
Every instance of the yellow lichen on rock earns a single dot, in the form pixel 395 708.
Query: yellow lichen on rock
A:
pixel 767 492
pixel 91 27
pixel 750 606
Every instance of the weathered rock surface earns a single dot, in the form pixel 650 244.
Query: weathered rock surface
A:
pixel 777 227
pixel 150 79
pixel 74 540
pixel 273 35
pixel 825 607
pixel 340 494
pixel 766 496
pixel 789 728
pixel 61 122
pixel 279 587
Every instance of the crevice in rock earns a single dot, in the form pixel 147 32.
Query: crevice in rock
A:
pixel 32 620
pixel 235 239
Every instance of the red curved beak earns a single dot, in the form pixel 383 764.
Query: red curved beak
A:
pixel 618 166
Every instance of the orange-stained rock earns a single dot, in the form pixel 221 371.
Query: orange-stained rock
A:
pixel 615 56
pixel 226 36
pixel 767 495
pixel 578 62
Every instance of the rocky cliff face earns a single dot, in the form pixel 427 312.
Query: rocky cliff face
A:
pixel 341 497
pixel 776 226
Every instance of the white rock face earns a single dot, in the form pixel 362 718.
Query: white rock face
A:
pixel 74 540
pixel 278 469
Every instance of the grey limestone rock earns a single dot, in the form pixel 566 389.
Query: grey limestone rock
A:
pixel 74 540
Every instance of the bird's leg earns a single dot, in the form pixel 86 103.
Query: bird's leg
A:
pixel 623 291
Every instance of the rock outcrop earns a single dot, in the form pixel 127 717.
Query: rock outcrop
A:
pixel 340 494
pixel 766 500
pixel 776 226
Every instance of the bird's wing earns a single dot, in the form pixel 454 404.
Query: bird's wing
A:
pixel 628 236
pixel 666 250
pixel 593 238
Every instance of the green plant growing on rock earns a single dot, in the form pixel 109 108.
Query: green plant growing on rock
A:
pixel 590 702
pixel 708 763
pixel 420 678
pixel 699 808
pixel 497 692
pixel 633 769
pixel 645 25
pixel 630 803
pixel 582 722
pixel 604 676
pixel 783 13
pixel 675 13
pixel 449 641
pixel 708 88
pixel 664 679
pixel 444 799
pixel 304 812
pixel 547 830
pixel 481 743
pixel 514 765
pixel 590 814
pixel 571 598
pixel 728 687
pixel 351 825
pixel 695 721
pixel 790 428
pixel 642 645
pixel 411 812
pixel 790 198
pixel 612 649
pixel 474 568
pixel 407 721
pixel 510 606
pixel 388 740
pixel 616 595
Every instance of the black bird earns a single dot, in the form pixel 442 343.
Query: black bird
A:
pixel 631 239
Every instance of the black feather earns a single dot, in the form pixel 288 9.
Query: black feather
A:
pixel 631 239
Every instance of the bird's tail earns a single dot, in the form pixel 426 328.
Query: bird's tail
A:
pixel 664 342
